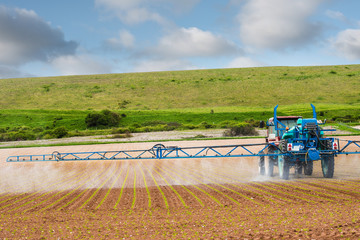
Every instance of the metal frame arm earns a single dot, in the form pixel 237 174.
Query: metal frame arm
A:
pixel 349 143
pixel 159 151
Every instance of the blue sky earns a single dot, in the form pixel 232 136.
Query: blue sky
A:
pixel 52 38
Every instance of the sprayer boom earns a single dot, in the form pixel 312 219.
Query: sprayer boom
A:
pixel 159 151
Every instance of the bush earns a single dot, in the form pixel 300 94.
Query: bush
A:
pixel 16 136
pixel 241 130
pixel 60 132
pixel 38 130
pixel 205 125
pixel 27 133
pixel 102 119
pixel 253 123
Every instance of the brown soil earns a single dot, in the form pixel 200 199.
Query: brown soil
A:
pixel 174 199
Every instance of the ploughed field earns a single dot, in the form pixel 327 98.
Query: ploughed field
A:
pixel 162 199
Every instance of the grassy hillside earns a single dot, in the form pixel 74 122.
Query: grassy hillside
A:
pixel 33 107
pixel 258 87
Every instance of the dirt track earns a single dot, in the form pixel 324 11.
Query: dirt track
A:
pixel 220 198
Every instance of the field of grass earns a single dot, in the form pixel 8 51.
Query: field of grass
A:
pixel 260 87
pixel 192 99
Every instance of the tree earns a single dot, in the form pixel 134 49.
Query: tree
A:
pixel 105 118
pixel 60 132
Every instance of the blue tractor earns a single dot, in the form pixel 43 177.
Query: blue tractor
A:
pixel 297 142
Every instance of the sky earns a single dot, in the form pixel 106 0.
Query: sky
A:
pixel 40 38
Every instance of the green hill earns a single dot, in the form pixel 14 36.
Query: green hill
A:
pixel 187 98
pixel 265 87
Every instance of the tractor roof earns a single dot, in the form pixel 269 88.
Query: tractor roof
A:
pixel 289 117
pixel 286 118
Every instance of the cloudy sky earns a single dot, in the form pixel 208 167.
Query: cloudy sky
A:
pixel 51 38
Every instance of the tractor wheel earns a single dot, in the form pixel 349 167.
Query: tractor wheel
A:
pixel 283 161
pixel 328 165
pixel 298 168
pixel 262 165
pixel 284 167
pixel 327 162
pixel 308 168
pixel 271 163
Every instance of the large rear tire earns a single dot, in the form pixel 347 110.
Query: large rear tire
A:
pixel 328 166
pixel 308 168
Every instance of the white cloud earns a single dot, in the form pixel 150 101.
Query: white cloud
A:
pixel 347 44
pixel 336 15
pixel 130 11
pixel 179 47
pixel 124 40
pixel 278 24
pixel 163 65
pixel 78 65
pixel 193 42
pixel 140 11
pixel 25 37
pixel 244 62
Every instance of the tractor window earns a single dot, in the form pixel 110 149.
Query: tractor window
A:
pixel 288 123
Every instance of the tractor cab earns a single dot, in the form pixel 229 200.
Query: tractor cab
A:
pixel 278 126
